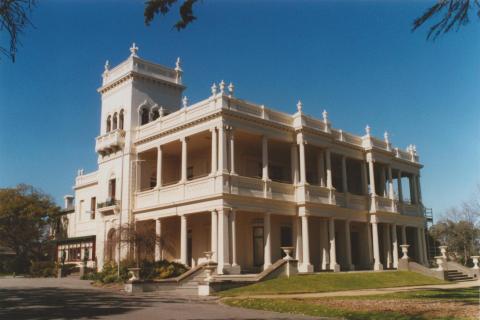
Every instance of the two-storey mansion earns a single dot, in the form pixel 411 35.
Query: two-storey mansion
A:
pixel 239 179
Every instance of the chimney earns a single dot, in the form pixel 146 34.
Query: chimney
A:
pixel 68 202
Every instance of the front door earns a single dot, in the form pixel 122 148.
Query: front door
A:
pixel 258 246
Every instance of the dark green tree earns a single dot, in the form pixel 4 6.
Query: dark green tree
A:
pixel 453 15
pixel 26 215
pixel 14 18
pixel 154 7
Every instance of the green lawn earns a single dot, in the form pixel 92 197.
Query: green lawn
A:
pixel 464 295
pixel 325 282
pixel 314 307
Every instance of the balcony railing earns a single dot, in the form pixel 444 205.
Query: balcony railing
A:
pixel 108 203
pixel 110 142
pixel 109 206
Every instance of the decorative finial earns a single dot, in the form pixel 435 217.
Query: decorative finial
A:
pixel 325 116
pixel 367 130
pixel 231 87
pixel 214 89
pixel 185 101
pixel 222 87
pixel 385 136
pixel 299 106
pixel 133 50
pixel 178 68
pixel 107 65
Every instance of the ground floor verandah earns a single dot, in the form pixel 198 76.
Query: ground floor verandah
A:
pixel 248 241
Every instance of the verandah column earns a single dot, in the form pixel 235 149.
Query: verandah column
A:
pixel 376 249
pixel 158 240
pixel 370 243
pixel 371 172
pixel 223 241
pixel 328 168
pixel 184 159
pixel 297 235
pixel 268 241
pixel 306 266
pixel 214 151
pixel 264 158
pixel 232 151
pixel 334 266
pixel 348 245
pixel 301 148
pixel 419 246
pixel 183 239
pixel 233 231
pixel 222 152
pixel 159 166
pixel 324 244
pixel 395 245
pixel 214 235
pixel 388 245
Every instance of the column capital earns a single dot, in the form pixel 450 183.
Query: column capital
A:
pixel 370 157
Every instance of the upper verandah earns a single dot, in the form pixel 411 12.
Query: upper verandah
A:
pixel 222 100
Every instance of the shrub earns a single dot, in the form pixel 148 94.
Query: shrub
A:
pixel 161 269
pixel 43 269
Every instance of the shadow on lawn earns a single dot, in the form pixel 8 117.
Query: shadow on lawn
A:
pixel 48 303
pixel 467 296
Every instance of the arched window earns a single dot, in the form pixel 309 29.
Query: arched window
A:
pixel 109 123
pixel 143 116
pixel 115 121
pixel 120 120
pixel 111 245
pixel 155 114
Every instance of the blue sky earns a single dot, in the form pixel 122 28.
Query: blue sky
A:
pixel 357 59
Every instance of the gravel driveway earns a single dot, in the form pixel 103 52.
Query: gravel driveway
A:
pixel 40 298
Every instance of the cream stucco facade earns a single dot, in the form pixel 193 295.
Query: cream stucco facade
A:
pixel 241 180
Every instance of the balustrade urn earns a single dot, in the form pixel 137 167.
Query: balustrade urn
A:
pixel 440 262
pixel 404 250
pixel 287 251
pixel 475 262
pixel 443 251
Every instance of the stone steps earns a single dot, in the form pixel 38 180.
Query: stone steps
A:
pixel 455 275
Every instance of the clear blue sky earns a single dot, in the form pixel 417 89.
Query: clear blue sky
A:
pixel 357 59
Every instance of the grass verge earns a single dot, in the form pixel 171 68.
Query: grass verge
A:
pixel 326 282
pixel 445 304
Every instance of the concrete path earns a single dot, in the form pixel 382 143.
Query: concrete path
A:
pixel 46 298
pixel 367 292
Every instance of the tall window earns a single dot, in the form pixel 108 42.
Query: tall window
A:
pixel 111 189
pixel 143 116
pixel 109 123
pixel 93 206
pixel 115 121
pixel 155 114
pixel 120 120
pixel 80 209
